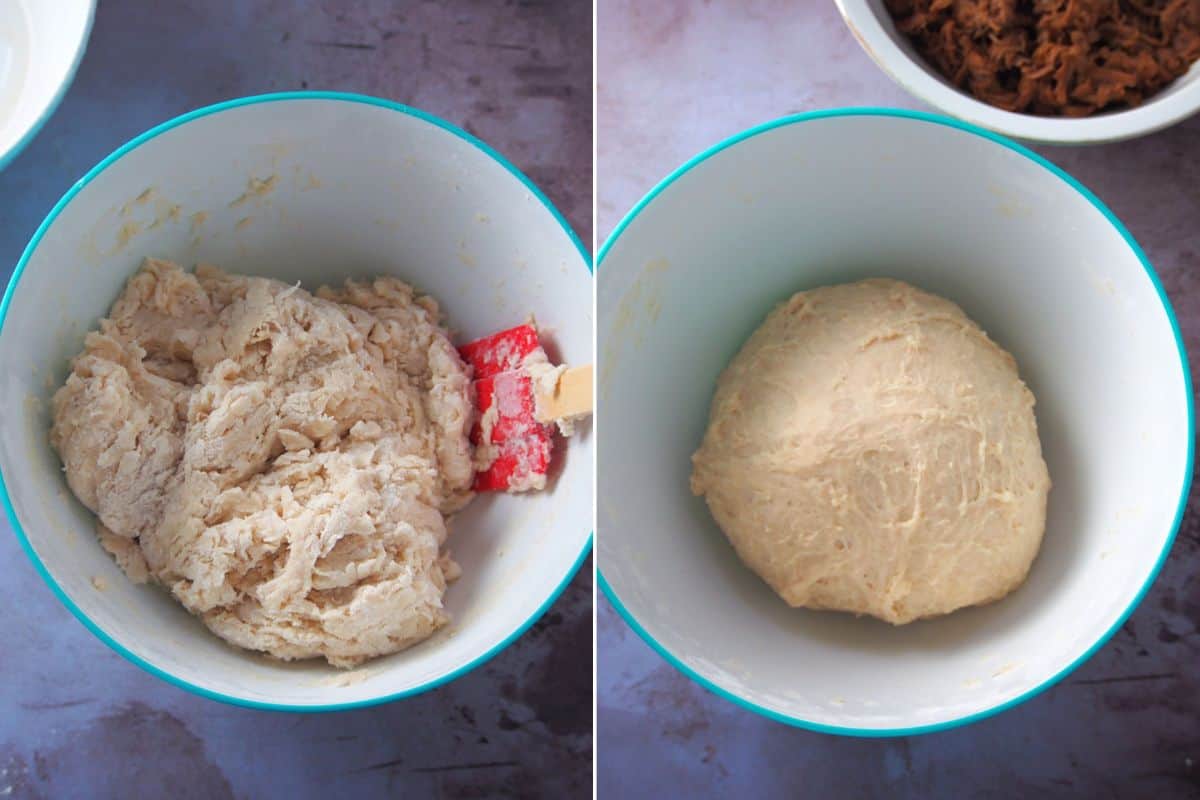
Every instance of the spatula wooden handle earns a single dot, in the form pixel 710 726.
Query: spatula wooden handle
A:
pixel 570 397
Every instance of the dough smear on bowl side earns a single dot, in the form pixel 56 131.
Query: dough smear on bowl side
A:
pixel 871 450
pixel 283 462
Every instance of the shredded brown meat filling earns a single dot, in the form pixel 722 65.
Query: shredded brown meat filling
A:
pixel 1055 57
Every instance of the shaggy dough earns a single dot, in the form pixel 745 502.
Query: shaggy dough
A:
pixel 871 450
pixel 282 463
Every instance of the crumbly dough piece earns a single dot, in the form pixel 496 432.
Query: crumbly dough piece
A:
pixel 871 450
pixel 283 463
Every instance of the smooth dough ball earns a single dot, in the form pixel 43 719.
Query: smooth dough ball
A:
pixel 871 450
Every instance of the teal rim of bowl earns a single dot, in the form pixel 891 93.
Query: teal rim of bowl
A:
pixel 935 119
pixel 133 144
pixel 6 158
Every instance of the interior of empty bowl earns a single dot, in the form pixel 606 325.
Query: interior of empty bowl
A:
pixel 874 28
pixel 314 189
pixel 1048 274
pixel 40 47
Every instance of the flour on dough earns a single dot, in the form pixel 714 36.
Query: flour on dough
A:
pixel 283 463
pixel 871 450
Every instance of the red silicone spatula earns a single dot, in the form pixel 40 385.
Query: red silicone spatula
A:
pixel 521 440
pixel 522 443
pixel 500 352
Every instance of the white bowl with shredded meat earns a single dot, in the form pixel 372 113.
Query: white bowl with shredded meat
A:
pixel 1079 111
pixel 238 437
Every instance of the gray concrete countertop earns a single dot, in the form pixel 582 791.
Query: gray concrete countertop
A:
pixel 76 720
pixel 678 76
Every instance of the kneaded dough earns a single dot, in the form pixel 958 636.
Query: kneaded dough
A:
pixel 871 450
pixel 283 463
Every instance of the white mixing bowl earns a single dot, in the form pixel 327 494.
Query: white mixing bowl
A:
pixel 872 25
pixel 41 44
pixel 312 187
pixel 1033 257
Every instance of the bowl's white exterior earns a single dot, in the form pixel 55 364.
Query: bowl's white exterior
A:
pixel 1038 262
pixel 872 25
pixel 41 44
pixel 361 187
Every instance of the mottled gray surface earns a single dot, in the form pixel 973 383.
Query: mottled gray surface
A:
pixel 677 76
pixel 78 721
